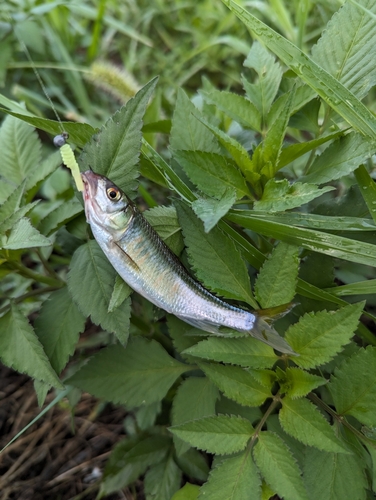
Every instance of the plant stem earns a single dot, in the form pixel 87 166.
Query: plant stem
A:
pixel 41 278
pixel 32 293
pixel 273 405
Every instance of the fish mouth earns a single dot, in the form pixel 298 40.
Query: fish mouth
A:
pixel 90 180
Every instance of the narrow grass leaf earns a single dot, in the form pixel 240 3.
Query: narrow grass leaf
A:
pixel 278 466
pixel 140 374
pixel 162 480
pixel 353 386
pixel 318 337
pixel 368 189
pixel 211 210
pixel 361 288
pixel 23 235
pixel 165 221
pixel 219 434
pixel 297 383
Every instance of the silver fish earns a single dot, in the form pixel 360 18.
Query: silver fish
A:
pixel 145 262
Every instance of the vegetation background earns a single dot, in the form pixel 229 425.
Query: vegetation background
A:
pixel 256 168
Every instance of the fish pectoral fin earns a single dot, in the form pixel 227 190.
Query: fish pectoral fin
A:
pixel 131 261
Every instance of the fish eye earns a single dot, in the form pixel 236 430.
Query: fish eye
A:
pixel 113 194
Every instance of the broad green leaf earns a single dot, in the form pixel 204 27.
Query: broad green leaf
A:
pixel 340 158
pixel 302 420
pixel 331 90
pixel 17 215
pixel 24 235
pixel 195 398
pixel 162 480
pixel 276 281
pixel 210 210
pixel 280 195
pixel 343 49
pixel 20 147
pixel 214 257
pixel 60 216
pixel 279 467
pixel 318 337
pixel 297 383
pixel 245 352
pixel 194 464
pixel 68 322
pixel 187 131
pixel 236 107
pixel 233 478
pixel 212 173
pixel 147 414
pixel 368 189
pixel 12 203
pixel 165 221
pixel 219 434
pixel 353 386
pixel 114 151
pixel 187 492
pixel 227 406
pixel 181 334
pixel 263 92
pixel 237 384
pixel 119 294
pixel 140 374
pixel 21 350
pixel 334 476
pixel 91 281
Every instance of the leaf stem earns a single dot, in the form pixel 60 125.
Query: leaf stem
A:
pixel 32 293
pixel 49 269
pixel 41 278
pixel 260 425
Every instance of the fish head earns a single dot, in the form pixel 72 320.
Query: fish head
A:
pixel 105 203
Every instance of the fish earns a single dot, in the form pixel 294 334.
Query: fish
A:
pixel 149 267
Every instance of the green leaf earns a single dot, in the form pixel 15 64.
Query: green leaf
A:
pixel 162 480
pixel 302 420
pixel 165 221
pixel 20 148
pixel 60 216
pixel 180 332
pixel 245 352
pixel 91 281
pixel 140 374
pixel 210 210
pixel 297 383
pixel 343 49
pixel 119 294
pixel 194 464
pixel 24 235
pixel 340 158
pixel 236 107
pixel 331 90
pixel 147 414
pixel 187 131
pixel 233 478
pixel 353 386
pixel 195 398
pixel 276 281
pixel 11 203
pixel 280 195
pixel 363 287
pixel 114 151
pixel 214 257
pixel 263 92
pixel 368 189
pixel 279 467
pixel 318 337
pixel 237 384
pixel 16 216
pixel 334 476
pixel 68 322
pixel 218 434
pixel 188 492
pixel 212 173
pixel 21 350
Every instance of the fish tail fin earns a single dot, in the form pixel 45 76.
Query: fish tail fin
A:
pixel 265 332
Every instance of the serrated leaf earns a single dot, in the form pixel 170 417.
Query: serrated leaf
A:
pixel 218 434
pixel 233 478
pixel 343 49
pixel 237 384
pixel 162 480
pixel 68 322
pixel 188 492
pixel 12 203
pixel 212 173
pixel 302 420
pixel 165 221
pixel 279 467
pixel 114 151
pixel 20 148
pixel 214 257
pixel 276 281
pixel 146 415
pixel 91 280
pixel 318 337
pixel 334 476
pixel 16 216
pixel 140 374
pixel 210 210
pixel 180 333
pixel 280 195
pixel 24 235
pixel 21 350
pixel 353 386
pixel 245 352
pixel 236 107
pixel 194 464
pixel 297 383
pixel 263 92
pixel 60 216
pixel 187 131
pixel 120 292
pixel 195 398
